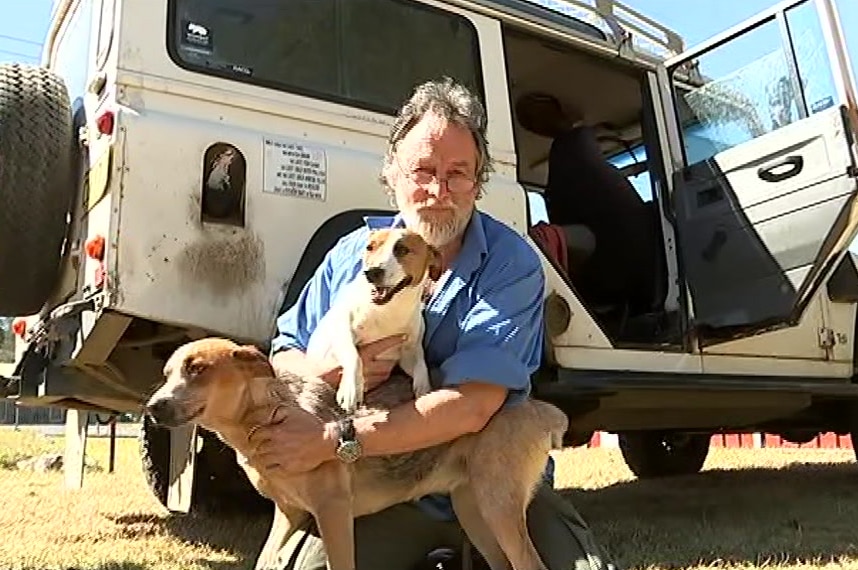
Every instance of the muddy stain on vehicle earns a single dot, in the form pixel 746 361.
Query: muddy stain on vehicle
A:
pixel 224 262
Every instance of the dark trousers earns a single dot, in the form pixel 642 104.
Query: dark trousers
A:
pixel 401 537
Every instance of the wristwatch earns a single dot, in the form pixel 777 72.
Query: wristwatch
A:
pixel 348 447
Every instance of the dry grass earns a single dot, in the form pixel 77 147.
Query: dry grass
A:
pixel 749 509
pixel 113 523
pixel 15 446
pixel 787 508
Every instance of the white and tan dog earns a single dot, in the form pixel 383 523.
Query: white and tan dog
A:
pixel 385 299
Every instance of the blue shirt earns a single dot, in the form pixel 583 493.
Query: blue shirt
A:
pixel 484 322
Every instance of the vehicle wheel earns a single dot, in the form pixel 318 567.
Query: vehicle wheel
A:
pixel 37 184
pixel 220 484
pixel 652 454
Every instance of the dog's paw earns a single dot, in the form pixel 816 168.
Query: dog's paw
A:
pixel 420 382
pixel 347 397
pixel 350 393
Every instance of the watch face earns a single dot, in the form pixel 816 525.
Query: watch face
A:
pixel 349 451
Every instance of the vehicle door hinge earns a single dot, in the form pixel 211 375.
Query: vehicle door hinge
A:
pixel 827 339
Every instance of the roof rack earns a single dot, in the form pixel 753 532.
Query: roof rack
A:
pixel 625 26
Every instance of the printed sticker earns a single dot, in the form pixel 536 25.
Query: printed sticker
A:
pixel 197 37
pixel 294 168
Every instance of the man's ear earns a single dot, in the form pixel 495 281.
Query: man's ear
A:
pixel 386 176
pixel 434 263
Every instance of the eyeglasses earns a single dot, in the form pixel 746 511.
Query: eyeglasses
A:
pixel 457 181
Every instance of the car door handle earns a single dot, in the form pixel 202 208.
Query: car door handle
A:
pixel 769 174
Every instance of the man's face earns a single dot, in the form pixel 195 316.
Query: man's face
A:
pixel 433 176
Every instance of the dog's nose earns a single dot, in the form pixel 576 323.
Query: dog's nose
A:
pixel 374 275
pixel 161 411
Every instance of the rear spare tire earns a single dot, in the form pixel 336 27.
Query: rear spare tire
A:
pixel 36 184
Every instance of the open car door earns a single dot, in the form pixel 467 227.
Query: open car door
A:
pixel 761 122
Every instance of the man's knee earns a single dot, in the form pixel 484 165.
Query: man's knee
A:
pixel 562 537
pixel 547 503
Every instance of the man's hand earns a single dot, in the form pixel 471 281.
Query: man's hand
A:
pixel 298 443
pixel 376 370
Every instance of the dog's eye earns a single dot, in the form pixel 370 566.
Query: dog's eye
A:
pixel 400 250
pixel 193 366
pixel 370 246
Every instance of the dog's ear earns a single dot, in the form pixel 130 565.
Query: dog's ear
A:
pixel 248 353
pixel 434 263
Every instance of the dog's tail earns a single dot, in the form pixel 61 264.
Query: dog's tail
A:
pixel 555 421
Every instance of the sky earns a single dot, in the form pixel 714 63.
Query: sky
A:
pixel 23 29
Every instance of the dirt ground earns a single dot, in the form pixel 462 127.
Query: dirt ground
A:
pixel 787 508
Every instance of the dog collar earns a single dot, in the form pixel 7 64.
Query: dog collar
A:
pixel 254 428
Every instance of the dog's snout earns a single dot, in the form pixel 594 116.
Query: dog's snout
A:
pixel 161 411
pixel 374 275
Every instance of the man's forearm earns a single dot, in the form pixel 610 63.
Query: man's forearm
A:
pixel 437 417
pixel 294 361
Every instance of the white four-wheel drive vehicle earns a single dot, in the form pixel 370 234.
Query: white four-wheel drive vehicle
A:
pixel 178 168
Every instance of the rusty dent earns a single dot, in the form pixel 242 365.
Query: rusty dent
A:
pixel 225 263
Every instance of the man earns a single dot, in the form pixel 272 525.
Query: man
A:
pixel 483 340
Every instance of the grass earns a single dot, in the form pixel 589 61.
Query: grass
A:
pixel 786 509
pixel 15 446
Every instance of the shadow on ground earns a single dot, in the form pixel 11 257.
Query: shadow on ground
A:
pixel 757 516
pixel 239 536
pixel 107 566
pixel 803 512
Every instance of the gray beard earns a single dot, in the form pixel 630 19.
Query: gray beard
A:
pixel 437 234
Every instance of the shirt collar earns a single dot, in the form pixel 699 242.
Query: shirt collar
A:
pixel 474 246
pixel 382 222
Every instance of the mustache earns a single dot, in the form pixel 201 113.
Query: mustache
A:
pixel 438 206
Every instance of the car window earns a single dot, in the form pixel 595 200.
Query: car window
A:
pixel 364 53
pixel 754 84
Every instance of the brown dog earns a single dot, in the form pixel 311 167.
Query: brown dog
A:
pixel 231 390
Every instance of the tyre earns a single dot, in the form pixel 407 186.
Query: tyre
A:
pixel 220 484
pixel 37 184
pixel 650 454
pixel 154 445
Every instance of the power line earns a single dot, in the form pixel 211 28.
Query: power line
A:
pixel 22 40
pixel 19 54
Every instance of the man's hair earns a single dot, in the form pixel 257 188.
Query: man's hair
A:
pixel 453 102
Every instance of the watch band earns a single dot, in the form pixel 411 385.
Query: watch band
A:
pixel 347 429
pixel 348 447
